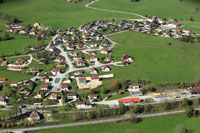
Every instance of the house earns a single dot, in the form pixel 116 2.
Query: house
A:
pixel 45 78
pixel 67 80
pixel 21 60
pixel 105 51
pixel 135 89
pixel 194 91
pixel 53 96
pixel 14 84
pixel 64 87
pixel 71 96
pixel 44 87
pixel 93 59
pixel 4 63
pixel 80 63
pixel 73 53
pixel 61 64
pixel 24 90
pixel 82 80
pixel 35 116
pixel 93 45
pixel 134 86
pixel 3 100
pixel 78 57
pixel 78 72
pixel 58 59
pixel 125 63
pixel 93 71
pixel 105 68
pixel 39 95
pixel 36 24
pixel 83 105
pixel 42 61
pixel 35 70
pixel 2 80
pixel 129 101
pixel 126 57
pixel 95 78
pixel 15 68
pixel 55 71
pixel 108 59
pixel 28 82
pixel 70 47
pixel 92 97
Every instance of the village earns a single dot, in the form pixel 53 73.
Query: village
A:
pixel 81 60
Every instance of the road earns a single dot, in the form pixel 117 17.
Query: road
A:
pixel 97 121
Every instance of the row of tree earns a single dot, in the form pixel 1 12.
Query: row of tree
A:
pixel 9 18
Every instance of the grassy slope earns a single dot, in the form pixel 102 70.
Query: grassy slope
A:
pixel 164 124
pixel 55 13
pixel 155 59
pixel 163 8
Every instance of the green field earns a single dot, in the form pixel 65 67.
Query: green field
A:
pixel 164 124
pixel 172 8
pixel 56 13
pixel 155 60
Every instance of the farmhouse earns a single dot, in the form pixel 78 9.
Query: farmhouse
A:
pixel 92 97
pixel 135 89
pixel 82 80
pixel 21 61
pixel 95 78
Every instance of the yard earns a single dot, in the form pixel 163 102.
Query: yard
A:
pixel 164 124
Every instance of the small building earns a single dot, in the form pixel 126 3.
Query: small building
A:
pixel 53 96
pixel 2 80
pixel 35 70
pixel 129 101
pixel 105 68
pixel 83 105
pixel 92 97
pixel 4 63
pixel 71 96
pixel 14 84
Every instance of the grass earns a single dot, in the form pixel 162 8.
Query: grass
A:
pixel 56 13
pixel 155 60
pixel 164 124
pixel 163 8
pixel 14 76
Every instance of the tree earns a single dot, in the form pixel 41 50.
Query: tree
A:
pixel 103 90
pixel 115 84
pixel 41 42
pixel 191 19
pixel 5 37
pixel 185 102
pixel 189 112
pixel 136 108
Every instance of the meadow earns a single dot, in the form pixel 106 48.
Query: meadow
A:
pixel 155 60
pixel 58 14
pixel 163 124
pixel 180 9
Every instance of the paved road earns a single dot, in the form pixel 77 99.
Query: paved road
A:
pixel 97 121
pixel 122 12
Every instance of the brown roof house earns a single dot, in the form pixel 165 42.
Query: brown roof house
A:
pixel 35 116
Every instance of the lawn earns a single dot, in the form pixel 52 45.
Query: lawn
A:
pixel 181 9
pixel 58 14
pixel 164 124
pixel 155 60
